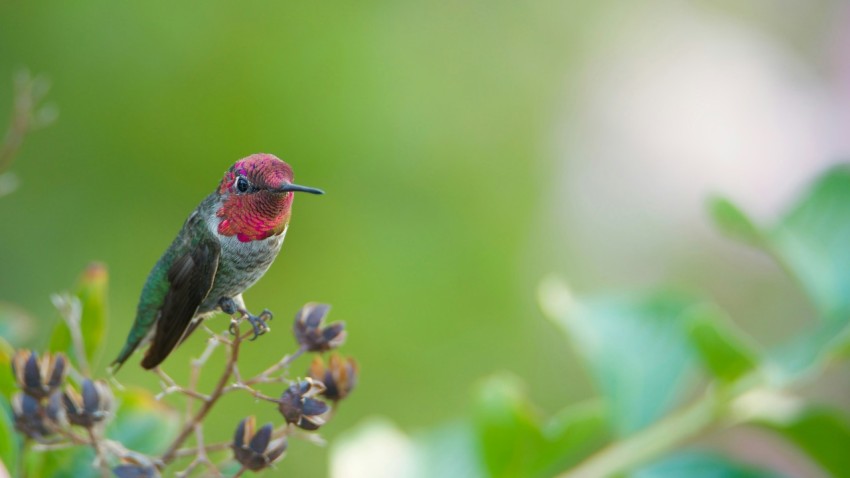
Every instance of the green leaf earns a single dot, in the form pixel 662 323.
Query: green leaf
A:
pixel 507 429
pixel 822 433
pixel 812 241
pixel 7 378
pixel 74 462
pixel 636 347
pixel 724 350
pixel 91 291
pixel 142 423
pixel 573 435
pixel 700 465
pixel 10 444
pixel 733 222
pixel 809 349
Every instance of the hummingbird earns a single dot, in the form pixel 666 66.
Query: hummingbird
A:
pixel 225 246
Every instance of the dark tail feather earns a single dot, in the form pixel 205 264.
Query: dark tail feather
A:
pixel 166 340
pixel 159 350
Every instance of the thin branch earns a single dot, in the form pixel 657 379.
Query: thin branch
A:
pixel 170 453
pixel 71 311
pixel 254 392
pixel 98 451
pixel 265 376
pixel 207 448
pixel 647 444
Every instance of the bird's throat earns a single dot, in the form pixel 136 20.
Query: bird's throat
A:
pixel 254 217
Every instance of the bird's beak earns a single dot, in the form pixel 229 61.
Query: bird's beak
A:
pixel 289 187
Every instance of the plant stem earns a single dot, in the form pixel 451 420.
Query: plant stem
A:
pixel 171 452
pixel 647 444
pixel 101 458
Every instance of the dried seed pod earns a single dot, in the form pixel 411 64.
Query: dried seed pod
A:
pixel 254 448
pixel 39 378
pixel 30 416
pixel 310 333
pixel 92 407
pixel 134 465
pixel 298 406
pixel 339 377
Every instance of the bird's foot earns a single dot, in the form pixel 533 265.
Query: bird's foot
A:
pixel 258 322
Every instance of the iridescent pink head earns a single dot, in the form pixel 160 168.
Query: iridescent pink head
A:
pixel 256 195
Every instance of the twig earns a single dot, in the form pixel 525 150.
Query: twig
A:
pixel 170 453
pixel 207 448
pixel 71 311
pixel 254 392
pixel 283 363
pixel 98 451
pixel 201 457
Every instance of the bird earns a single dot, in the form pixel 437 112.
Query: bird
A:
pixel 225 246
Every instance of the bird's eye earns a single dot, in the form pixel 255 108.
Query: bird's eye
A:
pixel 242 184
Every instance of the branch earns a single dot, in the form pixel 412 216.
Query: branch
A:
pixel 98 451
pixel 72 310
pixel 650 442
pixel 171 452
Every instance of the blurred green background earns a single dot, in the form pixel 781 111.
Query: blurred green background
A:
pixel 467 148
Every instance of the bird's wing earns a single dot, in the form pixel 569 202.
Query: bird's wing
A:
pixel 190 279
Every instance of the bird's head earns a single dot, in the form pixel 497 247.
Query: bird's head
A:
pixel 256 197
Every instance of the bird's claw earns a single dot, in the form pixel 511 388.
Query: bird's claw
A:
pixel 258 323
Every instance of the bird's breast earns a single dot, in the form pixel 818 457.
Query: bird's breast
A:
pixel 240 265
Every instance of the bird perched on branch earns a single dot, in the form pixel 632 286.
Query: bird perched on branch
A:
pixel 225 246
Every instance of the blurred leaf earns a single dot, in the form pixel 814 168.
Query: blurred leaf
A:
pixel 16 325
pixel 449 451
pixel 733 222
pixel 725 352
pixel 7 378
pixel 73 462
pixel 809 348
pixel 507 430
pixel 700 465
pixel 573 435
pixel 142 423
pixel 636 347
pixel 823 434
pixel 9 441
pixel 91 291
pixel 812 241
